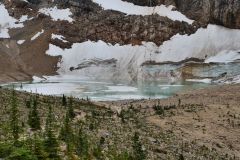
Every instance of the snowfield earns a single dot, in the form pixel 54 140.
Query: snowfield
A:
pixel 7 22
pixel 131 9
pixel 58 14
pixel 217 44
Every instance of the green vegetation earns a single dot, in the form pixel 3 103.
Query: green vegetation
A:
pixel 14 118
pixel 36 141
pixel 33 116
pixel 50 142
pixel 138 152
pixel 159 109
pixel 36 127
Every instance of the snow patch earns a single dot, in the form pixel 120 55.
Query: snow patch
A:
pixel 60 37
pixel 37 35
pixel 20 42
pixel 131 9
pixel 57 14
pixel 7 22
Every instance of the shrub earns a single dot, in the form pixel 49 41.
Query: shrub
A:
pixel 5 149
pixel 21 154
pixel 159 110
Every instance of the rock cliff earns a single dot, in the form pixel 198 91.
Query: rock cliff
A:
pixel 221 12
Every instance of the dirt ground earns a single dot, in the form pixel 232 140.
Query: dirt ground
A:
pixel 209 116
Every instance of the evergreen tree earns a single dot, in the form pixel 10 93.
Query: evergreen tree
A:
pixel 138 152
pixel 70 108
pixel 38 149
pixel 33 117
pixel 50 141
pixel 14 118
pixel 66 133
pixel 82 145
pixel 64 101
pixel 28 102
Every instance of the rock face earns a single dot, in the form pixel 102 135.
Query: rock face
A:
pixel 150 2
pixel 118 28
pixel 93 23
pixel 34 1
pixel 221 12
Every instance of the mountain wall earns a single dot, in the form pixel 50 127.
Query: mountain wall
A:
pixel 220 12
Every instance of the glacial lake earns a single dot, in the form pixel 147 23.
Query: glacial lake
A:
pixel 156 82
pixel 105 91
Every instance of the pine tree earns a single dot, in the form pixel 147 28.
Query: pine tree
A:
pixel 70 108
pixel 28 102
pixel 138 152
pixel 66 133
pixel 38 149
pixel 82 145
pixel 50 141
pixel 64 101
pixel 33 117
pixel 14 118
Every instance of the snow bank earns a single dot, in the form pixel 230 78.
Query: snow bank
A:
pixel 131 9
pixel 204 43
pixel 7 22
pixel 57 14
pixel 224 57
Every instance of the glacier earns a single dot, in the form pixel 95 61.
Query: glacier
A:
pixel 214 44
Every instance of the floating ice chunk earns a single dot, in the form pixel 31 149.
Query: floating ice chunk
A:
pixel 121 89
pixel 206 80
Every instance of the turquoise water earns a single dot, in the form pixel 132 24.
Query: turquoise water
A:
pixel 105 91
